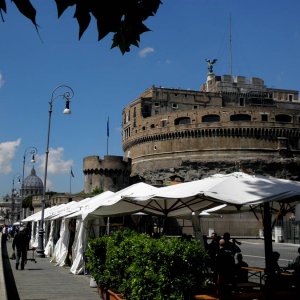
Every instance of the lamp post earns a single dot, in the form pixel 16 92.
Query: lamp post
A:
pixel 66 95
pixel 16 176
pixel 32 151
pixel 29 150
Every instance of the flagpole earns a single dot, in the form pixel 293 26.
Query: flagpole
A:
pixel 71 175
pixel 70 183
pixel 107 135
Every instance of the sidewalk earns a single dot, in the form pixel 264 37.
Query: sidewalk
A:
pixel 44 281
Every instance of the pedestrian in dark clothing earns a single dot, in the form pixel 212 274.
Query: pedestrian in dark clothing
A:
pixel 231 245
pixel 213 249
pixel 241 275
pixel 297 264
pixel 225 271
pixel 20 243
pixel 297 272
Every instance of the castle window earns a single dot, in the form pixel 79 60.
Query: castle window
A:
pixel 156 104
pixel 211 118
pixel 264 117
pixel 291 97
pixel 156 112
pixel 155 148
pixel 134 112
pixel 146 111
pixel 195 106
pixel 240 117
pixel 152 126
pixel 143 128
pixel 242 102
pixel 174 105
pixel 182 120
pixel 283 118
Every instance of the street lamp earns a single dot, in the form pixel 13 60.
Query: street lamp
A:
pixel 32 151
pixel 16 176
pixel 66 95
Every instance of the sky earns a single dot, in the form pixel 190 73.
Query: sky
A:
pixel 265 43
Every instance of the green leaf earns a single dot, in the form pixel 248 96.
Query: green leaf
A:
pixel 82 14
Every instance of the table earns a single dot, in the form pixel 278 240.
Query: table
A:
pixel 255 272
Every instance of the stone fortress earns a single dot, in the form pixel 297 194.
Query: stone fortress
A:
pixel 230 124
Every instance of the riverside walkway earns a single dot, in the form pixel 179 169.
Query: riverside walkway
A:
pixel 43 280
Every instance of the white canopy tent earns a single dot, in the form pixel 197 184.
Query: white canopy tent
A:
pixel 140 189
pixel 61 247
pixel 85 216
pixel 237 190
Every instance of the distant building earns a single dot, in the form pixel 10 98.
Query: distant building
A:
pixel 111 173
pixel 32 185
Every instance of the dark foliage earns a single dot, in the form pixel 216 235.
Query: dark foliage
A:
pixel 124 18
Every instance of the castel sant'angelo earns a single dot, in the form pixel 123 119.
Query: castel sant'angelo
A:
pixel 232 123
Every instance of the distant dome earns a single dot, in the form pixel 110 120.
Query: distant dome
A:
pixel 32 184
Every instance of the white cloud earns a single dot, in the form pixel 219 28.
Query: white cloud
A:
pixel 56 164
pixel 144 52
pixel 7 154
pixel 1 80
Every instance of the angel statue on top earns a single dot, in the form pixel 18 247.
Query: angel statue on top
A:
pixel 210 64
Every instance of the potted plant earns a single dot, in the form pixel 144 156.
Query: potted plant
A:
pixel 140 267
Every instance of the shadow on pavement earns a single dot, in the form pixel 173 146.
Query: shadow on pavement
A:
pixel 11 288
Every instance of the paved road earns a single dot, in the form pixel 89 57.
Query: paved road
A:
pixel 45 281
pixel 254 255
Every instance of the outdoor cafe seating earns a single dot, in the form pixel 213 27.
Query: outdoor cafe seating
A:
pixel 255 288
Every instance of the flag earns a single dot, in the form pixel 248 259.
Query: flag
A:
pixel 72 174
pixel 107 127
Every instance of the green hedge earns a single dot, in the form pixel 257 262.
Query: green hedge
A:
pixel 141 267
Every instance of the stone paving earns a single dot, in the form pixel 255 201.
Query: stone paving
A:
pixel 44 281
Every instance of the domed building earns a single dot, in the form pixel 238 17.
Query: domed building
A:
pixel 32 185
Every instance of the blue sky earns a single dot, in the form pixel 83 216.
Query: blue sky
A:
pixel 265 44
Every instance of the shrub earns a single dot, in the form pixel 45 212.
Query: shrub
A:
pixel 141 267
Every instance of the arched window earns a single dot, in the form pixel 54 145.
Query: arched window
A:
pixel 283 118
pixel 182 120
pixel 211 118
pixel 240 117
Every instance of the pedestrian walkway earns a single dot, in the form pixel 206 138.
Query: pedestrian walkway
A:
pixel 44 281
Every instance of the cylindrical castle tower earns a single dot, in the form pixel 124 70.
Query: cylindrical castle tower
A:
pixel 111 173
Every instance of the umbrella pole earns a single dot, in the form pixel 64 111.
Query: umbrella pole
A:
pixel 268 244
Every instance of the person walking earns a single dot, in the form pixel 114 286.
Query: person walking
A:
pixel 4 234
pixel 20 242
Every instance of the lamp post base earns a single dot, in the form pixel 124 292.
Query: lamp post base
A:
pixel 40 250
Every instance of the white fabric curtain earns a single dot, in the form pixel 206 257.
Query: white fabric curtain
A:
pixel 79 248
pixel 61 248
pixel 35 235
pixel 49 247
